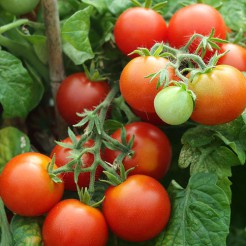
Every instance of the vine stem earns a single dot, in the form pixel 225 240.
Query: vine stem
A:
pixel 13 25
pixel 56 66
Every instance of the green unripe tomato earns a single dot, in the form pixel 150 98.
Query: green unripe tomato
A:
pixel 19 7
pixel 174 105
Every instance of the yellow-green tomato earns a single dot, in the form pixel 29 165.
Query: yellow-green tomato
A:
pixel 19 7
pixel 174 105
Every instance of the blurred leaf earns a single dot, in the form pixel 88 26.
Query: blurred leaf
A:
pixel 12 143
pixel 26 230
pixel 39 45
pixel 234 13
pixel 237 237
pixel 5 234
pixel 19 94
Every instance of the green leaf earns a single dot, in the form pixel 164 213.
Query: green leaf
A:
pixel 26 230
pixel 117 7
pixel 235 146
pixel 100 5
pixel 67 7
pixel 197 136
pixel 12 143
pixel 5 234
pixel 200 213
pixel 234 14
pixel 39 46
pixel 75 31
pixel 19 93
pixel 110 126
pixel 242 137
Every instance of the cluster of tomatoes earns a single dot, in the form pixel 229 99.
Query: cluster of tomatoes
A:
pixel 215 95
pixel 139 208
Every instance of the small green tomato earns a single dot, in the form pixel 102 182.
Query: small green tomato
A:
pixel 19 7
pixel 174 105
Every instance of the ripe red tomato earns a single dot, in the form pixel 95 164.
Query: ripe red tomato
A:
pixel 195 18
pixel 138 209
pixel 152 150
pixel 71 222
pixel 220 95
pixel 62 158
pixel 26 187
pixel 236 56
pixel 139 27
pixel 137 90
pixel 150 117
pixel 77 93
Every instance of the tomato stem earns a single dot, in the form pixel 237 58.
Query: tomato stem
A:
pixel 12 25
pixel 94 130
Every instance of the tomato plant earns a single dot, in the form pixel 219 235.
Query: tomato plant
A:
pixel 19 8
pixel 63 156
pixel 236 56
pixel 45 76
pixel 71 222
pixel 26 186
pixel 77 93
pixel 152 150
pixel 141 206
pixel 174 105
pixel 134 84
pixel 220 95
pixel 182 25
pixel 139 27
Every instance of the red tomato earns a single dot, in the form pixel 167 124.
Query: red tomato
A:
pixel 236 56
pixel 137 209
pixel 26 187
pixel 73 223
pixel 137 90
pixel 196 18
pixel 152 150
pixel 77 93
pixel 62 158
pixel 220 95
pixel 139 27
pixel 150 117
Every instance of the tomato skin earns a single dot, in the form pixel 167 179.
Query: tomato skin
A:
pixel 71 222
pixel 152 150
pixel 134 85
pixel 220 95
pixel 174 105
pixel 138 209
pixel 182 25
pixel 236 56
pixel 26 187
pixel 139 27
pixel 150 117
pixel 19 7
pixel 77 93
pixel 62 158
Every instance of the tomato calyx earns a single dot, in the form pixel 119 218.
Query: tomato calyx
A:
pixel 114 179
pixel 85 196
pixel 93 74
pixel 50 169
